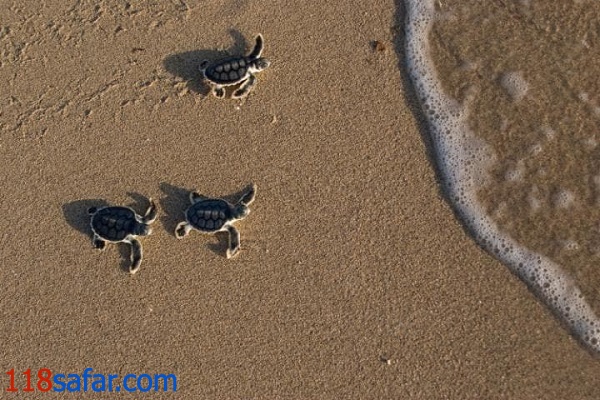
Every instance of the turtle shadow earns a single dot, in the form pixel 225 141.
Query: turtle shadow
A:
pixel 77 216
pixel 234 197
pixel 140 202
pixel 125 255
pixel 186 65
pixel 219 247
pixel 173 205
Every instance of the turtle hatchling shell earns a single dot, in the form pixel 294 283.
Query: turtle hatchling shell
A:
pixel 228 71
pixel 209 215
pixel 114 223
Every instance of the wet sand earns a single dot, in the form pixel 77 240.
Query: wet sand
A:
pixel 355 279
pixel 534 100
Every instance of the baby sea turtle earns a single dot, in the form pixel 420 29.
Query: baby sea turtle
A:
pixel 232 71
pixel 216 215
pixel 121 224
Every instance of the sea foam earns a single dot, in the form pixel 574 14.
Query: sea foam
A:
pixel 463 160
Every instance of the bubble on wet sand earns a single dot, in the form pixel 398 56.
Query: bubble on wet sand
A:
pixel 569 245
pixel 514 84
pixel 463 160
pixel 515 173
pixel 563 198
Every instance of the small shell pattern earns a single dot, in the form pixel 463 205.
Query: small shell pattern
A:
pixel 114 223
pixel 228 71
pixel 209 215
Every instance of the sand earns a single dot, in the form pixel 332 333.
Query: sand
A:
pixel 355 280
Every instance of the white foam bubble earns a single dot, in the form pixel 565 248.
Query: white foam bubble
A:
pixel 515 85
pixel 563 198
pixel 515 173
pixel 569 245
pixel 463 161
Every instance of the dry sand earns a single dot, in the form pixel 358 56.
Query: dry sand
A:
pixel 351 255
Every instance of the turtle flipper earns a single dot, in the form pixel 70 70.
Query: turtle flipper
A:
pixel 203 66
pixel 244 88
pixel 234 241
pixel 249 196
pixel 151 213
pixel 98 243
pixel 258 47
pixel 136 256
pixel 196 197
pixel 218 91
pixel 182 229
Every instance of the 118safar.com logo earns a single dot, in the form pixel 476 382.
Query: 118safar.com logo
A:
pixel 45 381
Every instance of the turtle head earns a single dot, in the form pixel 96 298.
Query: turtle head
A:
pixel 240 211
pixel 142 229
pixel 260 64
pixel 203 66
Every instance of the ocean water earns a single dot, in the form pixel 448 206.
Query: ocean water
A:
pixel 512 98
